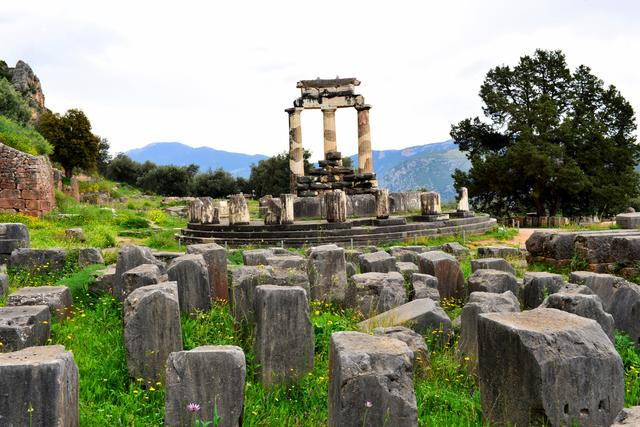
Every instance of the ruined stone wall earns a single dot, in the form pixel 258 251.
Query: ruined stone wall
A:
pixel 26 183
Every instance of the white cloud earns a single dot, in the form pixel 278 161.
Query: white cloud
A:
pixel 221 73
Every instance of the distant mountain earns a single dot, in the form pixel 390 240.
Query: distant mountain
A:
pixel 175 153
pixel 423 166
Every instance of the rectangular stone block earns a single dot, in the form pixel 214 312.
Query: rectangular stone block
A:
pixel 24 326
pixel 215 256
pixel 57 298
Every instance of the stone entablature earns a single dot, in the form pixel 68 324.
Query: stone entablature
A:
pixel 26 183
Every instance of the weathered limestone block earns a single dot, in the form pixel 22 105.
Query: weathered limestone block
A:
pixel 24 326
pixel 244 281
pixel 326 266
pixel 292 277
pixel 16 232
pixel 57 298
pixel 421 315
pixel 195 211
pixel 407 269
pixel 365 368
pixel 39 260
pixel 628 417
pixel 215 257
pixel 430 203
pixel 210 213
pixel 537 284
pixel 493 281
pixel 336 206
pixel 89 256
pixel 191 273
pixel 131 256
pixel 457 250
pixel 4 284
pixel 480 302
pixel 284 334
pixel 256 256
pixel 626 250
pixel 76 234
pixel 287 215
pixel 103 282
pixel 603 285
pixel 446 269
pixel 413 340
pixel 151 330
pixel 378 262
pixel 572 288
pixel 382 204
pixel 286 262
pixel 463 202
pixel 588 306
pixel 214 377
pixel 142 275
pixel 238 210
pixel 424 286
pixel 492 264
pixel 375 293
pixel 561 367
pixel 43 378
pixel 498 252
pixel 630 220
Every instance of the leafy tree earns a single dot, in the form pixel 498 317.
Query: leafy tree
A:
pixel 102 162
pixel 216 184
pixel 122 169
pixel 347 162
pixel 12 104
pixel 169 180
pixel 74 144
pixel 271 176
pixel 555 141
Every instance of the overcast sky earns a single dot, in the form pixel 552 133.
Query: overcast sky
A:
pixel 220 74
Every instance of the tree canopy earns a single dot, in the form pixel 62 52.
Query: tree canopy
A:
pixel 73 143
pixel 272 175
pixel 554 141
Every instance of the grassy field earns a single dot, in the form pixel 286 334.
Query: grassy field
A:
pixel 447 395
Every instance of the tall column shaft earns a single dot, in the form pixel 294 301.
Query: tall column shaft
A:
pixel 296 152
pixel 365 159
pixel 329 122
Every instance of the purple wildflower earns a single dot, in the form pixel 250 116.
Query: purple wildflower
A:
pixel 193 407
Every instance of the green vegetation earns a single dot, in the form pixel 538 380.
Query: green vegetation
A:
pixel 23 138
pixel 12 105
pixel 551 139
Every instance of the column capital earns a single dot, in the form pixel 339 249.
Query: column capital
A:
pixel 328 108
pixel 363 107
pixel 293 110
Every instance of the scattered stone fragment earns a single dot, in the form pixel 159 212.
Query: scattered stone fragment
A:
pixel 39 260
pixel 424 286
pixel 413 340
pixel 456 249
pixel 628 417
pixel 131 256
pixel 378 262
pixel 291 277
pixel 494 281
pixel 89 256
pixel 498 252
pixel 537 284
pixel 213 376
pixel 57 298
pixel 480 302
pixel 256 256
pixel 191 274
pixel 43 378
pixel 142 275
pixel 244 280
pixel 215 256
pixel 370 376
pixel 285 262
pixel 76 234
pixel 421 315
pixel 407 269
pixel 151 330
pixel 378 292
pixel 104 281
pixel 558 369
pixel 24 326
pixel 492 264
pixel 446 268
pixel 588 306
pixel 4 284
pixel 284 334
pixel 326 266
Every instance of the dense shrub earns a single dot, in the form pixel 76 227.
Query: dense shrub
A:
pixel 23 138
pixel 216 184
pixel 12 104
pixel 169 180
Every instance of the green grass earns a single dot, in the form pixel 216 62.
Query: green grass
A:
pixel 23 138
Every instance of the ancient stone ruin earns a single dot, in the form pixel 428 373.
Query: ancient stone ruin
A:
pixel 328 95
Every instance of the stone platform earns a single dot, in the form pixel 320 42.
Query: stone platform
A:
pixel 357 231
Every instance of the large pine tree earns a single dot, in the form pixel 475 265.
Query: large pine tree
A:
pixel 553 142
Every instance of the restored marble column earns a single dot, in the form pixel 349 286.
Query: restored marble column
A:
pixel 329 122
pixel 365 161
pixel 296 152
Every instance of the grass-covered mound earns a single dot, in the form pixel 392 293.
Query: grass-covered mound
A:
pixel 23 138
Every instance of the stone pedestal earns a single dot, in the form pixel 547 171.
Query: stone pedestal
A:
pixel 336 205
pixel 296 152
pixel 365 161
pixel 430 203
pixel 287 213
pixel 382 204
pixel 329 123
pixel 238 210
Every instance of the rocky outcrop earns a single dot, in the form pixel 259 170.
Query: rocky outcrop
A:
pixel 27 84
